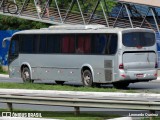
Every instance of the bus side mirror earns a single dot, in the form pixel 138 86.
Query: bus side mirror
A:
pixel 4 41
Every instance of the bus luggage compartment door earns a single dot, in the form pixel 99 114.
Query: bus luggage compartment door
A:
pixel 139 60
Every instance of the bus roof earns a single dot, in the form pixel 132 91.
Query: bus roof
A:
pixel 80 29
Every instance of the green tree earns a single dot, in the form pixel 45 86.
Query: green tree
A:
pixel 14 23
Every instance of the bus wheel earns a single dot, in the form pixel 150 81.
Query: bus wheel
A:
pixel 59 82
pixel 26 75
pixel 120 85
pixel 87 78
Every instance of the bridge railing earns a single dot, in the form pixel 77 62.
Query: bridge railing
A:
pixel 117 14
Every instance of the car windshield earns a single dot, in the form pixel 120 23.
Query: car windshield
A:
pixel 138 39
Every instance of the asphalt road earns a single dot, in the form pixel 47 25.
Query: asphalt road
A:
pixel 153 86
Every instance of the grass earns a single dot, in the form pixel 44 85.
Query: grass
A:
pixel 50 86
pixel 42 86
pixel 54 87
pixel 2 71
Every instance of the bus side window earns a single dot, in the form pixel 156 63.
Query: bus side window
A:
pixel 83 43
pixel 72 44
pixel 36 47
pixel 56 44
pixel 68 45
pixel 53 43
pixel 65 44
pixel 42 43
pixel 87 45
pixel 25 41
pixel 80 44
pixel 100 43
pixel 112 44
pixel 14 45
pixel 50 43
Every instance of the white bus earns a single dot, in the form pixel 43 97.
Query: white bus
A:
pixel 92 54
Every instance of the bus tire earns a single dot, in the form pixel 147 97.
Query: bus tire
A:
pixel 26 76
pixel 59 82
pixel 121 85
pixel 87 78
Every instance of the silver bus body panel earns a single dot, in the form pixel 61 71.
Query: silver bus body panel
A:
pixel 138 61
pixel 66 67
pixel 14 69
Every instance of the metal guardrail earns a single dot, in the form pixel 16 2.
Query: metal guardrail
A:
pixel 133 101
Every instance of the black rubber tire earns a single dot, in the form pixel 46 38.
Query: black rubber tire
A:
pixel 121 85
pixel 12 6
pixel 60 82
pixel 26 76
pixel 87 78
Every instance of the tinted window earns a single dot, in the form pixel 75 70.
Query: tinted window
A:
pixel 112 44
pixel 83 43
pixel 14 47
pixel 68 44
pixel 104 43
pixel 53 44
pixel 99 43
pixel 42 43
pixel 27 44
pixel 136 39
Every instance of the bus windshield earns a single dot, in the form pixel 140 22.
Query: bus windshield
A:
pixel 138 39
